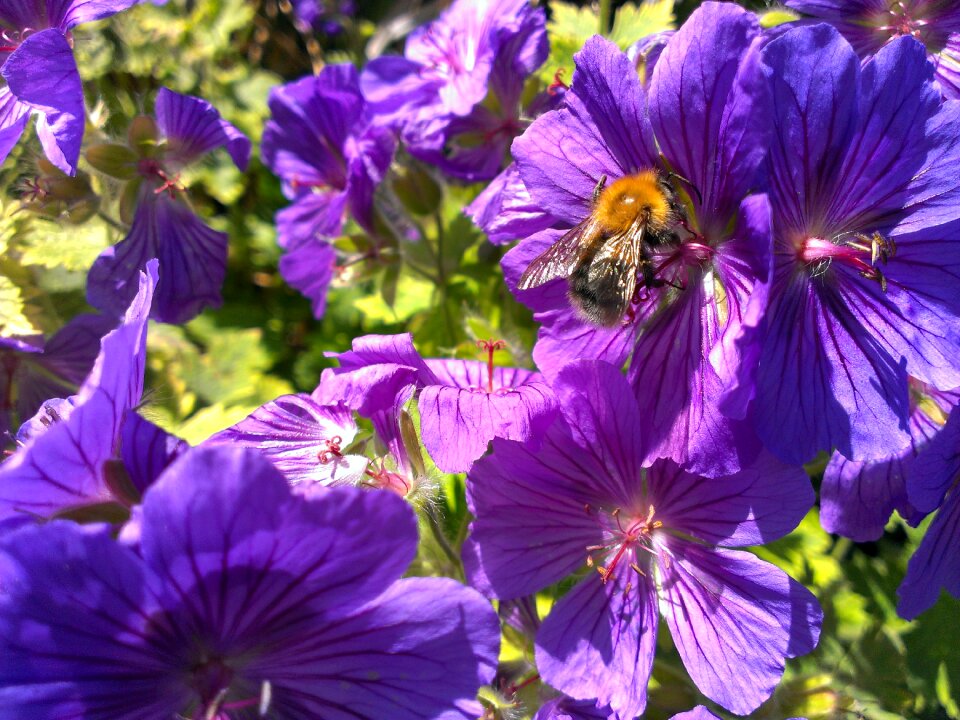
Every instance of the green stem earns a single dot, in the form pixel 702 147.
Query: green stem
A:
pixel 436 527
pixel 442 282
pixel 606 8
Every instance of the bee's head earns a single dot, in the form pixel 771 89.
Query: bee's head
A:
pixel 639 197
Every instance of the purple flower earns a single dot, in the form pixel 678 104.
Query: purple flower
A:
pixel 471 147
pixel 856 498
pixel 564 708
pixel 244 597
pixel 322 144
pixel 36 61
pixel 693 333
pixel 932 484
pixel 868 25
pixel 463 404
pixel 865 287
pixel 193 257
pixel 659 536
pixel 323 16
pixel 32 371
pixel 302 439
pixel 69 461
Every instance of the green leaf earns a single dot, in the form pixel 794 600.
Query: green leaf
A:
pixel 633 22
pixel 13 321
pixel 71 248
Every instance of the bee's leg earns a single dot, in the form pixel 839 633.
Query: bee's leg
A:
pixel 602 183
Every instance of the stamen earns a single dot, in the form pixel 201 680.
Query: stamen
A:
pixel 635 536
pixel 490 346
pixel 819 253
pixel 558 82
pixel 332 450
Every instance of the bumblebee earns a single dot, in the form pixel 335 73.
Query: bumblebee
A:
pixel 610 250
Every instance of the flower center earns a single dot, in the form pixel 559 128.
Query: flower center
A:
pixel 151 169
pixel 902 18
pixel 212 680
pixel 626 537
pixel 860 252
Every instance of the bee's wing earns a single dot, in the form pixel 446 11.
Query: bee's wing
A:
pixel 561 258
pixel 615 267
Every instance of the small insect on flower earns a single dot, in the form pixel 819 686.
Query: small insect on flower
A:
pixel 603 255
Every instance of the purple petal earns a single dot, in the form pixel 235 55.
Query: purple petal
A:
pixel 603 417
pixel 64 467
pixel 599 641
pixel 763 502
pixel 308 266
pixel 147 450
pixel 935 565
pixel 220 507
pixel 313 217
pixel 900 164
pixel 66 14
pixel 825 382
pixel 698 713
pixel 74 628
pixel 707 93
pixel 422 649
pixel 13 121
pixel 679 390
pixel 567 709
pixel 814 76
pixel 602 130
pixel 293 432
pixel 193 261
pixel 460 416
pixel 193 127
pixel 856 498
pixel 42 73
pixel 505 210
pixel 531 528
pixel 734 619
pixel 935 469
pixel 396 89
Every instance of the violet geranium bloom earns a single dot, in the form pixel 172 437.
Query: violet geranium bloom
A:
pixel 866 206
pixel 32 371
pixel 36 61
pixel 193 257
pixel 868 25
pixel 659 537
pixel 856 498
pixel 302 439
pixel 246 600
pixel 94 452
pixel 321 143
pixel 693 335
pixel 463 404
pixel 931 484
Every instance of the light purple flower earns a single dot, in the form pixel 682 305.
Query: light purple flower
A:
pixel 932 484
pixel 463 404
pixel 302 439
pixel 693 340
pixel 244 600
pixel 856 498
pixel 193 257
pixel 32 371
pixel 70 465
pixel 321 142
pixel 868 25
pixel 36 61
pixel 660 538
pixel 471 147
pixel 866 204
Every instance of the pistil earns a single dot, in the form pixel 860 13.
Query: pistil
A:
pixel 862 253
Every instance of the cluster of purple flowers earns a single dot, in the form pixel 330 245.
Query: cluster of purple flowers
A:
pixel 796 259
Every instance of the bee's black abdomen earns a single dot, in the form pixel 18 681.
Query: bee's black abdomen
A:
pixel 598 292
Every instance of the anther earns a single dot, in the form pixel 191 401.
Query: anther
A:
pixel 558 82
pixel 332 450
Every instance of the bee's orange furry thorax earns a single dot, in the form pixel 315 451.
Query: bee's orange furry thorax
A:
pixel 631 198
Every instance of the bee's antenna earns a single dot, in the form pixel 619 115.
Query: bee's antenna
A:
pixel 689 183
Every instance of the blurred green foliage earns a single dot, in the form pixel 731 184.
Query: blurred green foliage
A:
pixel 447 290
